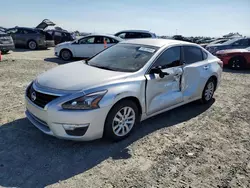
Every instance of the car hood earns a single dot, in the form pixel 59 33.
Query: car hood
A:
pixel 232 51
pixel 77 76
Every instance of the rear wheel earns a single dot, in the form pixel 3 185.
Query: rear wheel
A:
pixel 237 63
pixel 121 120
pixel 208 92
pixel 66 55
pixel 32 45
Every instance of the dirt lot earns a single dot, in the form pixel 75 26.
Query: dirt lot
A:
pixel 192 146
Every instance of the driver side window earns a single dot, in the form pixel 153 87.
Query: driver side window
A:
pixel 89 40
pixel 170 58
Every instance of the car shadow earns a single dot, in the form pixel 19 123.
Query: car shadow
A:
pixel 56 60
pixel 245 71
pixel 29 158
pixel 28 50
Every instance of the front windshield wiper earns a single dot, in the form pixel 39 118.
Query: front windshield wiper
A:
pixel 103 67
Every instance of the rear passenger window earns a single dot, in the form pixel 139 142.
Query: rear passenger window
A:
pixel 192 54
pixel 132 35
pixel 59 34
pixel 145 35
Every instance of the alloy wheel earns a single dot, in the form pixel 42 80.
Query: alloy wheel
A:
pixel 209 91
pixel 123 121
pixel 32 45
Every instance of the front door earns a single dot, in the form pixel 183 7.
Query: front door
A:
pixel 85 47
pixel 162 93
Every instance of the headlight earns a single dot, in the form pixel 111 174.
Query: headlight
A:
pixel 87 102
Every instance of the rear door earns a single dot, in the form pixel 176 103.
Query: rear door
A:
pixel 162 93
pixel 197 70
pixel 85 47
pixel 101 45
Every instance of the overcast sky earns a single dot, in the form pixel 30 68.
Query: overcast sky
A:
pixel 164 17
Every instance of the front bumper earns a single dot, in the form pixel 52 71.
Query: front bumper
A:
pixel 53 120
pixel 7 46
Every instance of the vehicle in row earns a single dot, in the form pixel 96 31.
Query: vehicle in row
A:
pixel 217 41
pixel 60 36
pixel 109 94
pixel 235 43
pixel 85 47
pixel 135 34
pixel 235 58
pixel 32 38
pixel 6 43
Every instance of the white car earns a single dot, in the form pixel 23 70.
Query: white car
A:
pixel 85 47
pixel 113 91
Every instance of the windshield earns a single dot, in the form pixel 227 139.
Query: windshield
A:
pixel 123 57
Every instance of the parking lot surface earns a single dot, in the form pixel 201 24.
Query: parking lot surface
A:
pixel 192 146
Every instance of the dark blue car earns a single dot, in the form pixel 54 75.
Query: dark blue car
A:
pixel 236 43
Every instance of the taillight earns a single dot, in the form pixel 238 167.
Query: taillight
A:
pixel 220 63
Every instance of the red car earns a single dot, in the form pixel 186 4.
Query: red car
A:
pixel 235 58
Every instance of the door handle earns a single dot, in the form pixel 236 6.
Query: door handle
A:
pixel 206 67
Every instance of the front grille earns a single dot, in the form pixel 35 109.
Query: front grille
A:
pixel 41 99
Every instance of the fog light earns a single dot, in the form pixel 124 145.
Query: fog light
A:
pixel 73 126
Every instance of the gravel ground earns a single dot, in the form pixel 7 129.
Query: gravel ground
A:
pixel 191 146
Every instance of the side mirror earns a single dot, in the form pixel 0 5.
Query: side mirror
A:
pixel 157 70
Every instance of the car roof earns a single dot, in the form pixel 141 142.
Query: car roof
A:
pixel 23 28
pixel 157 42
pixel 138 31
pixel 104 35
pixel 60 31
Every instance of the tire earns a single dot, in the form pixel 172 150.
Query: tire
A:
pixel 237 63
pixel 4 51
pixel 116 127
pixel 32 45
pixel 208 91
pixel 66 55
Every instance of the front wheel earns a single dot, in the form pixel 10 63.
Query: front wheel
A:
pixel 66 55
pixel 208 91
pixel 121 120
pixel 5 51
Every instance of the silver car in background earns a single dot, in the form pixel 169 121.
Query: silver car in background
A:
pixel 129 82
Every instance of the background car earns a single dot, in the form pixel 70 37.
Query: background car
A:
pixel 116 89
pixel 60 36
pixel 235 58
pixel 6 42
pixel 32 38
pixel 85 47
pixel 217 41
pixel 236 43
pixel 133 34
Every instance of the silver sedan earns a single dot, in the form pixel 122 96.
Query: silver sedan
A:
pixel 107 95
